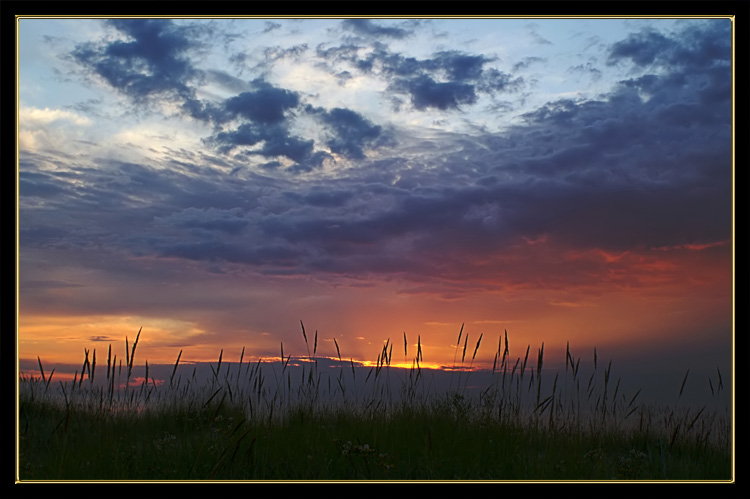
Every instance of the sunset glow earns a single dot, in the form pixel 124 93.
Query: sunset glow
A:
pixel 218 182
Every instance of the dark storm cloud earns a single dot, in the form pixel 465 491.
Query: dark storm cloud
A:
pixel 457 66
pixel 263 103
pixel 276 141
pixel 265 112
pixel 448 80
pixel 263 129
pixel 643 48
pixel 444 81
pixel 695 47
pixel 351 131
pixel 618 173
pixel 646 165
pixel 266 125
pixel 152 60
pixel 652 171
pixel 427 93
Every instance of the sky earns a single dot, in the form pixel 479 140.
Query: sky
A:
pixel 217 181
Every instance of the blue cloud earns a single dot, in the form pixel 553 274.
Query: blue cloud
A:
pixel 151 61
pixel 368 28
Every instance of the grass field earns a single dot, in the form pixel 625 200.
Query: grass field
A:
pixel 271 422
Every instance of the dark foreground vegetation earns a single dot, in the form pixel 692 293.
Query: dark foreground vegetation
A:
pixel 258 421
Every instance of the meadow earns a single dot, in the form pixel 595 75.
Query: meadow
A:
pixel 311 418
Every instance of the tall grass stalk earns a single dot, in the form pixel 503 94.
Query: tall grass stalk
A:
pixel 532 429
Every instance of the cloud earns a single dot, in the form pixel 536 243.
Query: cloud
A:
pixel 40 185
pixel 229 221
pixel 368 28
pixel 263 122
pixel 154 59
pixel 49 128
pixel 275 140
pixel 351 131
pixel 265 113
pixel 445 81
pixel 321 197
pixel 427 93
pixel 645 165
pixel 581 173
pixel 527 62
pixel 694 47
pixel 643 48
pixel 214 250
pixel 227 81
pixel 271 26
pixel 587 69
pixel 31 117
pixel 532 30
pixel 457 66
pixel 150 60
